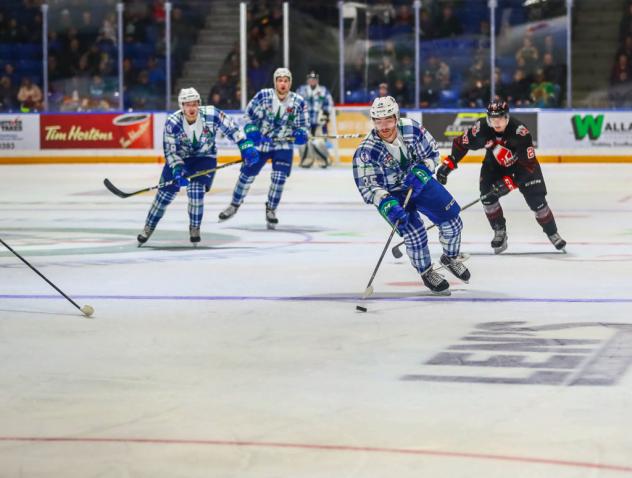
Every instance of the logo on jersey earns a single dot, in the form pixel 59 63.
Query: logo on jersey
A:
pixel 522 130
pixel 364 157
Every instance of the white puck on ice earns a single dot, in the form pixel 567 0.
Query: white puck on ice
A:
pixel 87 310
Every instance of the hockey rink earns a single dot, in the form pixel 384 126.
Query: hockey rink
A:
pixel 245 357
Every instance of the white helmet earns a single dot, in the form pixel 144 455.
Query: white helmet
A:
pixel 279 72
pixel 384 107
pixel 186 95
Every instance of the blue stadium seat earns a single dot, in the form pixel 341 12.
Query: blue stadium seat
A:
pixel 28 51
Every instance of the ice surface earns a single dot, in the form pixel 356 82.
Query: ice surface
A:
pixel 246 357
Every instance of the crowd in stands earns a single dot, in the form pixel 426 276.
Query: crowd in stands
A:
pixel 455 64
pixel 83 53
pixel 265 27
pixel 620 92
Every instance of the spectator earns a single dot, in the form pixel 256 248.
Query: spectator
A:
pixel 8 94
pixel 440 71
pixel 626 48
pixel 400 93
pixel 544 94
pixel 518 90
pixel 554 73
pixel 429 93
pixel 29 95
pixel 625 26
pixel 529 54
pixel 225 93
pixel 382 90
pixel 620 92
pixel 448 25
pixel 426 24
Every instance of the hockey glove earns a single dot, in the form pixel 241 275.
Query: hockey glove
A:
pixel 392 211
pixel 179 174
pixel 417 179
pixel 503 186
pixel 253 133
pixel 249 153
pixel 300 136
pixel 447 166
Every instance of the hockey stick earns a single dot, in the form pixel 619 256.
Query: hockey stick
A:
pixel 398 253
pixel 86 310
pixel 341 136
pixel 114 190
pixel 369 287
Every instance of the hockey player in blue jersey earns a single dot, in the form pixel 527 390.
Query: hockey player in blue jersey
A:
pixel 276 120
pixel 189 147
pixel 397 155
pixel 320 107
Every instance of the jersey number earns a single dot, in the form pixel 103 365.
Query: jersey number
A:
pixel 530 152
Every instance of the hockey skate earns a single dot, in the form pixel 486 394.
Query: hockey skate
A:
pixel 271 218
pixel 229 212
pixel 558 242
pixel 499 242
pixel 194 235
pixel 144 236
pixel 456 266
pixel 435 282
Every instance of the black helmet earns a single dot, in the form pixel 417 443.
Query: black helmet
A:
pixel 497 108
pixel 312 75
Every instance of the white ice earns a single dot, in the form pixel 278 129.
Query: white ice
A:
pixel 246 358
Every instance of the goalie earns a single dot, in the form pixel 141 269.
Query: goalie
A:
pixel 510 152
pixel 320 107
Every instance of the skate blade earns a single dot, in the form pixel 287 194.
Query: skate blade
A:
pixel 271 226
pixel 498 250
pixel 443 293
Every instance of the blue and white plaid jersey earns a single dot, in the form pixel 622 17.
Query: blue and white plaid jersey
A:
pixel 377 173
pixel 319 102
pixel 177 145
pixel 277 125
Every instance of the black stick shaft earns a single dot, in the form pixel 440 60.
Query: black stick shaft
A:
pixel 390 238
pixel 119 193
pixel 40 274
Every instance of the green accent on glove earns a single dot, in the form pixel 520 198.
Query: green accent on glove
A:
pixel 250 128
pixel 245 144
pixel 385 207
pixel 422 175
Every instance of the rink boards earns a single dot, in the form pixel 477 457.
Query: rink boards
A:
pixel 560 136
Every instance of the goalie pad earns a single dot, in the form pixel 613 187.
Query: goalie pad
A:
pixel 503 156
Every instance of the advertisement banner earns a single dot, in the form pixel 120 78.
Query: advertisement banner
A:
pixel 592 130
pixel 97 131
pixel 447 126
pixel 19 131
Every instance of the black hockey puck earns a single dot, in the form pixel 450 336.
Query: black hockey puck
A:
pixel 359 308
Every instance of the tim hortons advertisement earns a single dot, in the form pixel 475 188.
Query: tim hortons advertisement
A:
pixel 18 131
pixel 444 127
pixel 97 131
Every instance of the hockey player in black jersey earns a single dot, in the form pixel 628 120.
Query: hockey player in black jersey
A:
pixel 510 152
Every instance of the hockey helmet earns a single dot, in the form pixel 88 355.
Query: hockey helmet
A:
pixel 497 109
pixel 186 95
pixel 384 107
pixel 313 75
pixel 281 72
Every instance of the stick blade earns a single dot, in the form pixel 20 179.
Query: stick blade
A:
pixel 397 253
pixel 114 190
